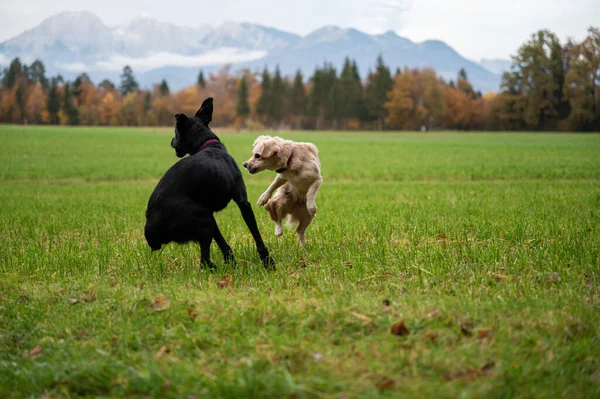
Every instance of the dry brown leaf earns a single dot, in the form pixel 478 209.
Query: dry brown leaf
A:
pixel 225 281
pixel 114 340
pixel 302 262
pixel 487 367
pixel 483 334
pixel 466 329
pixel 386 303
pixel 36 351
pixel 442 235
pixel 192 313
pixel 433 312
pixel 160 303
pixel 386 383
pixel 400 329
pixel 364 318
pixel 162 352
pixel 432 336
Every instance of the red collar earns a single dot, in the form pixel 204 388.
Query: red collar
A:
pixel 207 142
pixel 281 170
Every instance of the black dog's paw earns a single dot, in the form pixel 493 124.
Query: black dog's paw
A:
pixel 208 265
pixel 268 262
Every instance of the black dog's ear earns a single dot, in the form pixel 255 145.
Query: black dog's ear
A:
pixel 182 122
pixel 205 111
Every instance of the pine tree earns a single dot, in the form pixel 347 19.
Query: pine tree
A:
pixel 14 71
pixel 379 84
pixel 53 101
pixel 106 85
pixel 37 73
pixel 277 107
pixel 164 88
pixel 69 107
pixel 321 101
pixel 298 100
pixel 243 107
pixel 128 82
pixel 348 95
pixel 201 81
pixel 263 107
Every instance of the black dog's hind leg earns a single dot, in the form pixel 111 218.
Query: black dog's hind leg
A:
pixel 223 246
pixel 248 215
pixel 205 253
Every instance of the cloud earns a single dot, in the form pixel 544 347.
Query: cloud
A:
pixel 3 59
pixel 74 67
pixel 382 15
pixel 165 59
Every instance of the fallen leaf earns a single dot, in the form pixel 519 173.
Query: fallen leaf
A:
pixel 386 383
pixel 192 313
pixel 462 375
pixel 434 312
pixel 487 367
pixel 466 329
pixel 225 281
pixel 399 329
pixel 366 319
pixel 442 235
pixel 386 303
pixel 36 351
pixel 160 303
pixel 24 297
pixel 432 336
pixel 162 352
pixel 483 334
pixel 114 340
pixel 348 265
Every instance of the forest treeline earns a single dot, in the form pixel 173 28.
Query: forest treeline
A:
pixel 550 86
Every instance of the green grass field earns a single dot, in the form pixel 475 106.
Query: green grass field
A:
pixel 486 246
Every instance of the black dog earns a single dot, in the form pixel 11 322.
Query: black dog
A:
pixel 182 205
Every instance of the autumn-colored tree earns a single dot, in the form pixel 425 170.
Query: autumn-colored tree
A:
pixel 583 83
pixel 36 107
pixel 109 108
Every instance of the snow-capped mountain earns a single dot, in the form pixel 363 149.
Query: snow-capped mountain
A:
pixel 73 42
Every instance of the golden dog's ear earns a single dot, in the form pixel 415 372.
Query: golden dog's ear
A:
pixel 269 148
pixel 260 139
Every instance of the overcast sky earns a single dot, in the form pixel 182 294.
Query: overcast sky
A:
pixel 475 28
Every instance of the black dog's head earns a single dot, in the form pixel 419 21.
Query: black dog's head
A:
pixel 190 133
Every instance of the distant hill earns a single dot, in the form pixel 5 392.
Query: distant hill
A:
pixel 73 42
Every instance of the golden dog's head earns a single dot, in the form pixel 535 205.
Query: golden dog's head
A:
pixel 268 153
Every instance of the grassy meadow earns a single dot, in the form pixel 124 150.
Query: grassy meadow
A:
pixel 486 246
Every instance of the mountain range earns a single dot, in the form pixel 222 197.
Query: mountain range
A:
pixel 70 43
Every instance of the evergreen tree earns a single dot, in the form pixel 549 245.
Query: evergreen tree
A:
pixel 37 73
pixel 379 84
pixel 263 107
pixel 128 82
pixel 277 107
pixel 14 71
pixel 201 81
pixel 69 107
pixel 53 101
pixel 322 94
pixel 243 107
pixel 348 95
pixel 106 85
pixel 298 100
pixel 164 88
